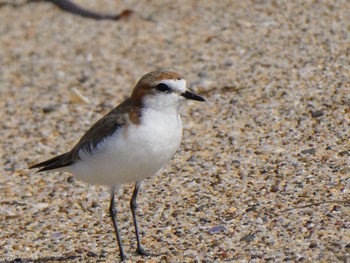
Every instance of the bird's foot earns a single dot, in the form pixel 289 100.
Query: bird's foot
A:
pixel 141 251
pixel 123 257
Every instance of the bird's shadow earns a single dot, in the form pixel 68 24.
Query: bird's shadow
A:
pixel 42 259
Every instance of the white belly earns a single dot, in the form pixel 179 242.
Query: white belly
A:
pixel 132 153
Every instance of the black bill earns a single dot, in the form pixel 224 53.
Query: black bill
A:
pixel 192 96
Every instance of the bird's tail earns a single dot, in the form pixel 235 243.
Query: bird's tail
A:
pixel 56 162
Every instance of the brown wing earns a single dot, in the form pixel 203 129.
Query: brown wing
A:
pixel 102 129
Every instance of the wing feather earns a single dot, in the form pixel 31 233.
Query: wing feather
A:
pixel 102 129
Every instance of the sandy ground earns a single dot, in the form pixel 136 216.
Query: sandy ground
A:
pixel 263 171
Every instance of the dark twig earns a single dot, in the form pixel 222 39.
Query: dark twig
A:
pixel 72 8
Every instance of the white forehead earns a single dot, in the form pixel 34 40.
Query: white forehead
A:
pixel 178 85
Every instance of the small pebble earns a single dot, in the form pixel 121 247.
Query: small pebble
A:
pixel 236 163
pixel 344 153
pixel 95 204
pixel 216 229
pixel 247 238
pixel 274 189
pixel 224 255
pixel 71 179
pixel 204 220
pixel 313 245
pixel 202 208
pixel 251 209
pixel 83 78
pixel 309 151
pixel 50 108
pixel 91 254
pixel 317 113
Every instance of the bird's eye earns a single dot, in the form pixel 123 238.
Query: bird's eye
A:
pixel 162 87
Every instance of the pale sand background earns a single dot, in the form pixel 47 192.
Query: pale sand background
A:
pixel 276 77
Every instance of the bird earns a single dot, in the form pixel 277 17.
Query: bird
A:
pixel 134 141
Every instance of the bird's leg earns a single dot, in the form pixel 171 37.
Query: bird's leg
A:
pixel 113 214
pixel 133 206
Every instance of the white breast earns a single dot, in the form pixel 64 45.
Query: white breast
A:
pixel 134 152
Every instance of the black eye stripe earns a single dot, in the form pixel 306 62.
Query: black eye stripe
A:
pixel 162 87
